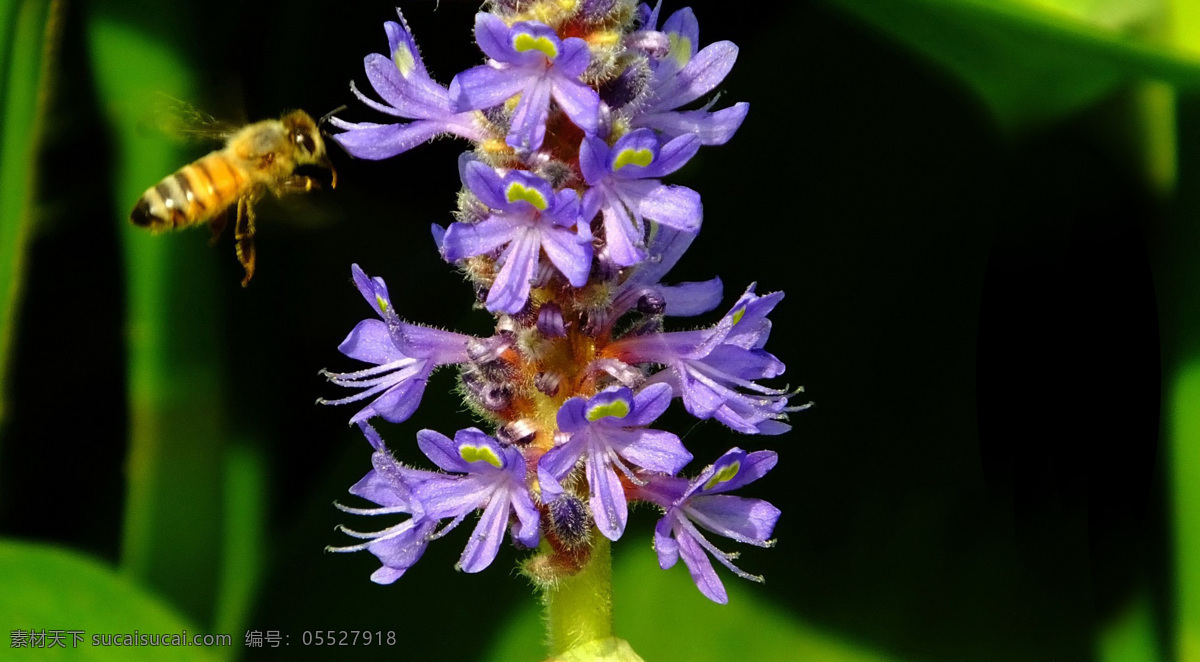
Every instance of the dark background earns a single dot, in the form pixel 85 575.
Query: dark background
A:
pixel 972 314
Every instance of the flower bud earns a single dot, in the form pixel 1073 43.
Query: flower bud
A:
pixel 571 521
pixel 550 321
pixel 520 432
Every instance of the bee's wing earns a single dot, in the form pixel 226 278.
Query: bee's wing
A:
pixel 184 123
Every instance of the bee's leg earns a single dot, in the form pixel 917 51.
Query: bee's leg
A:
pixel 243 232
pixel 296 184
pixel 217 225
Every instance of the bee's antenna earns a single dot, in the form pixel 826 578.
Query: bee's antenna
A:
pixel 325 118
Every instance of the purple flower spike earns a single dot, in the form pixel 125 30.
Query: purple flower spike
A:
pixel 489 476
pixel 404 356
pixel 711 368
pixel 527 59
pixel 567 231
pixel 609 428
pixel 702 502
pixel 408 92
pixel 681 76
pixel 527 217
pixel 390 485
pixel 625 189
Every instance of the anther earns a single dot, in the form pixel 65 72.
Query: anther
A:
pixel 651 303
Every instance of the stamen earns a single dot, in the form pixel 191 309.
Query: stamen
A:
pixel 379 536
pixel 388 510
pixel 618 462
pixel 726 559
pixel 449 527
pixel 705 372
pixel 383 367
pixel 356 397
pixel 701 519
pixel 383 108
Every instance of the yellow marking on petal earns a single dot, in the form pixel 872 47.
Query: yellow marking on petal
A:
pixel 518 191
pixel 681 48
pixel 616 409
pixel 725 474
pixel 382 303
pixel 527 42
pixel 476 453
pixel 639 157
pixel 737 317
pixel 404 60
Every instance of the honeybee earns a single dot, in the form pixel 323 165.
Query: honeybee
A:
pixel 257 158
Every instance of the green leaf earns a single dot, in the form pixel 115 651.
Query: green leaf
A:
pixel 1133 635
pixel 49 588
pixel 663 617
pixel 1034 61
pixel 29 32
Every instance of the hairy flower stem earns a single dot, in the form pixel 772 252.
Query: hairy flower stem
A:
pixel 579 606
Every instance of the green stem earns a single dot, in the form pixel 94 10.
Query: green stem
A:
pixel 244 544
pixel 579 607
pixel 1184 431
pixel 172 539
pixel 1182 360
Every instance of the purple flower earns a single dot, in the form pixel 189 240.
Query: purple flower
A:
pixel 491 477
pixel 390 485
pixel 680 76
pixel 609 430
pixel 404 356
pixel 409 92
pixel 625 188
pixel 527 217
pixel 711 368
pixel 527 59
pixel 701 502
pixel 665 247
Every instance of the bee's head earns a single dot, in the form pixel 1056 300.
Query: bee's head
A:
pixel 303 132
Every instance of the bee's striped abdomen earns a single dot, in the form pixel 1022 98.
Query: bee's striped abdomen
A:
pixel 193 194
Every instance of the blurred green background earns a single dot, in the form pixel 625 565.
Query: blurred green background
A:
pixel 985 216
